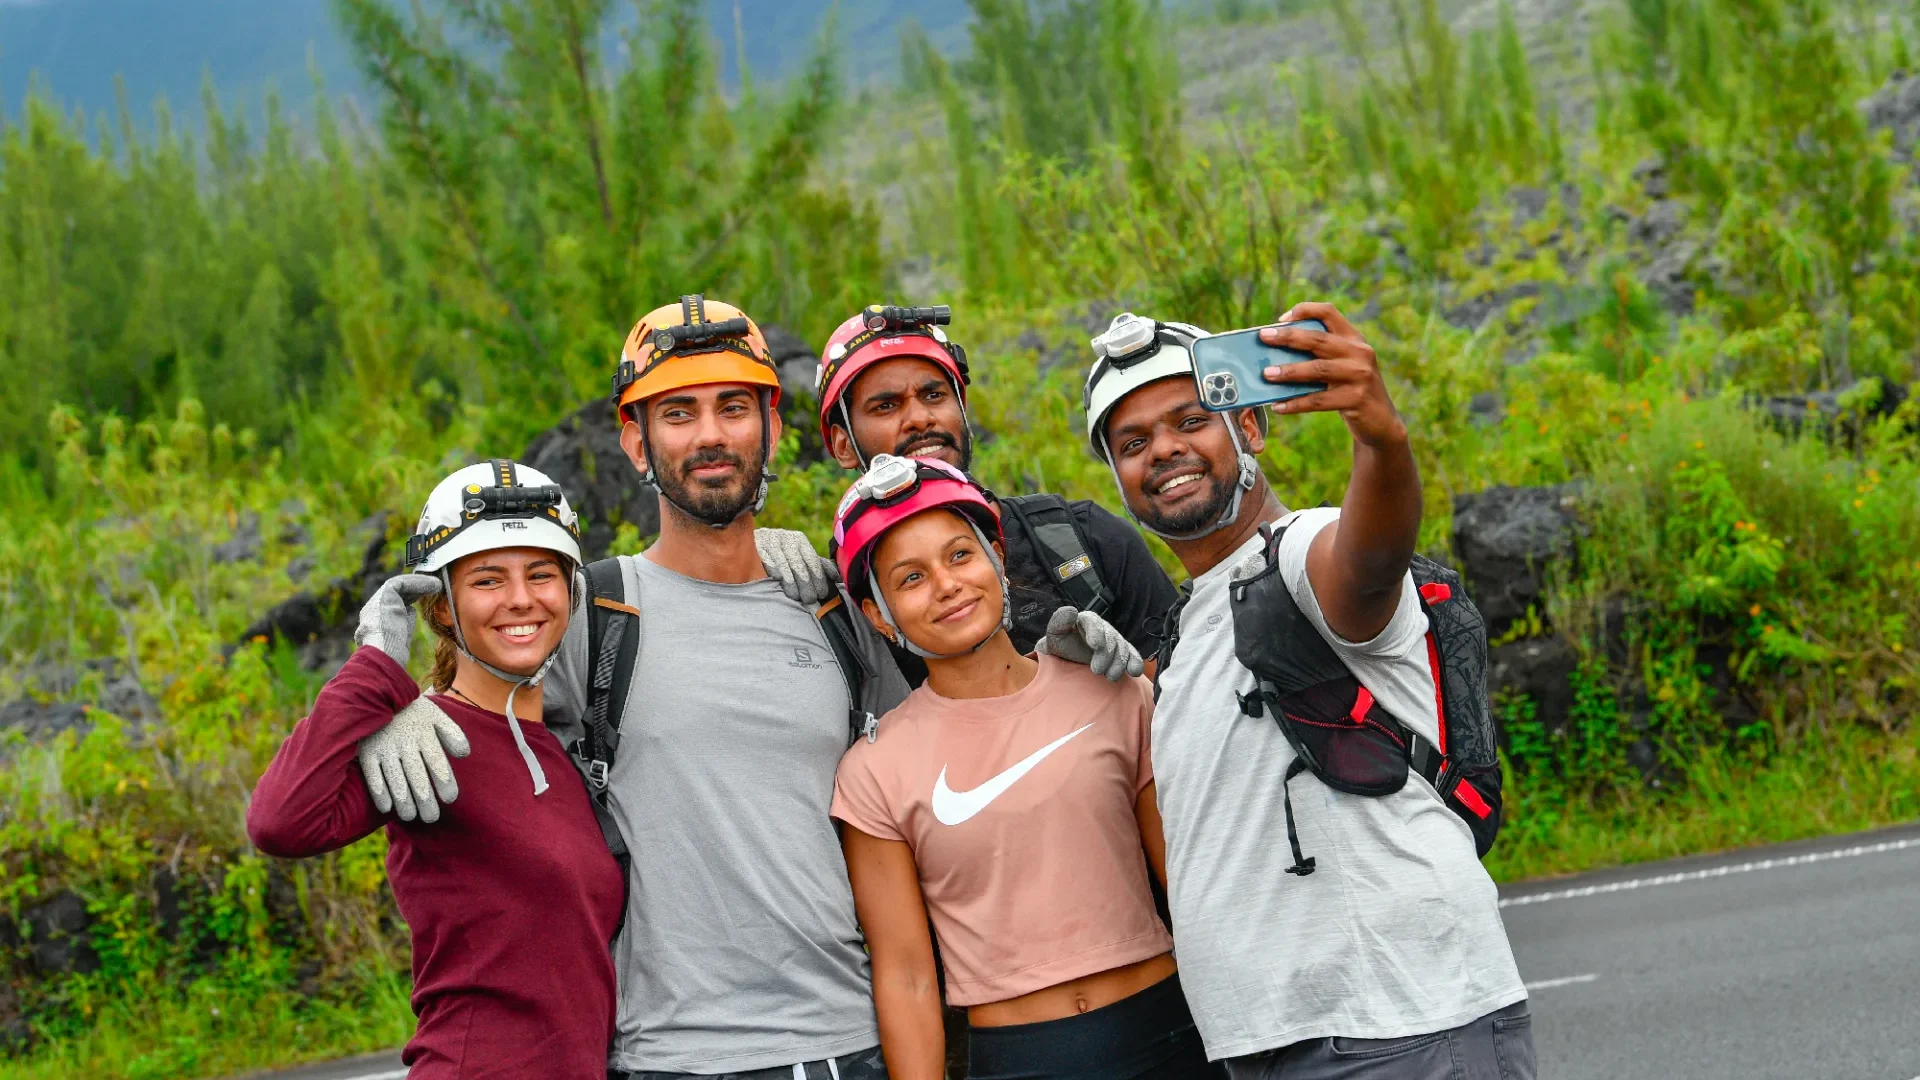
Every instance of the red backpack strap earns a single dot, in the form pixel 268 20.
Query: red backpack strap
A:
pixel 1436 592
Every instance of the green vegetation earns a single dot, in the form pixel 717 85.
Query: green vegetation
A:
pixel 284 330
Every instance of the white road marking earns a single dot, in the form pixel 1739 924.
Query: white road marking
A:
pixel 1570 980
pixel 1718 871
pixel 391 1074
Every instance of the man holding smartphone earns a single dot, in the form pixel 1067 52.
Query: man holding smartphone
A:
pixel 1388 959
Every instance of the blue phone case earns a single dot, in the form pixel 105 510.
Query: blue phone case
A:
pixel 1228 369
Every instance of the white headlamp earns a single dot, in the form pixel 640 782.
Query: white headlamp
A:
pixel 1126 335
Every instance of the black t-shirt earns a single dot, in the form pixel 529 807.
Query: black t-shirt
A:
pixel 1141 591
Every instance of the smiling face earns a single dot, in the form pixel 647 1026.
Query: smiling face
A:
pixel 1175 461
pixel 513 606
pixel 905 407
pixel 707 447
pixel 941 586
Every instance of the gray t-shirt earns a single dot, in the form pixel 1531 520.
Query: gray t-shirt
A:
pixel 740 949
pixel 1397 932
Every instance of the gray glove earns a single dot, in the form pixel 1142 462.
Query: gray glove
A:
pixel 1081 637
pixel 790 559
pixel 405 765
pixel 386 621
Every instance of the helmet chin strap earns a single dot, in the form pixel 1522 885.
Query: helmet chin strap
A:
pixel 1249 475
pixel 1006 608
pixel 517 681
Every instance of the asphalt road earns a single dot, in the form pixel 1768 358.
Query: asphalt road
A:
pixel 1800 962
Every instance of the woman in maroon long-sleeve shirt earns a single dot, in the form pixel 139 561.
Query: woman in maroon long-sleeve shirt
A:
pixel 513 899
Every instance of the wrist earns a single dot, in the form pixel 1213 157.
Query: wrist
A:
pixel 1387 434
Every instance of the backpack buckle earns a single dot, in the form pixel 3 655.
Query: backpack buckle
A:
pixel 870 726
pixel 597 775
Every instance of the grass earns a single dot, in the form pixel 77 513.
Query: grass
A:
pixel 208 1030
pixel 1840 780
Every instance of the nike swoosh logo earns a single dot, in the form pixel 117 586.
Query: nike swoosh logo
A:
pixel 952 807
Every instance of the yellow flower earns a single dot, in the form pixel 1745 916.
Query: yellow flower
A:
pixel 1858 503
pixel 1754 610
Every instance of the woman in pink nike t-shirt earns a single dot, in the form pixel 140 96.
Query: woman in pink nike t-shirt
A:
pixel 1011 800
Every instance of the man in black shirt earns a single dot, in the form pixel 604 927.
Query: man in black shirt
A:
pixel 891 383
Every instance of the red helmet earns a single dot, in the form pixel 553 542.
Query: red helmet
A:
pixel 884 333
pixel 892 490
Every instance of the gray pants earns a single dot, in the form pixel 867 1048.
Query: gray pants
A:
pixel 1498 1046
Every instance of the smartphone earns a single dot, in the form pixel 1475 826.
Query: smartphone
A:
pixel 1228 369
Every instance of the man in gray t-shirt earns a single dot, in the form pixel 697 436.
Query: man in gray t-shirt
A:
pixel 740 949
pixel 1389 960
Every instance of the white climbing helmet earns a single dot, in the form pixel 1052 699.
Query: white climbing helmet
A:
pixel 495 504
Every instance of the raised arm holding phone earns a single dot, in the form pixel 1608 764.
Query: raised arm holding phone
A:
pixel 1381 953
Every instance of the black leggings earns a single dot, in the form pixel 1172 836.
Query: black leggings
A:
pixel 1149 1036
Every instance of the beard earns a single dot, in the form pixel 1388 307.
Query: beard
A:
pixel 712 502
pixel 962 446
pixel 1190 517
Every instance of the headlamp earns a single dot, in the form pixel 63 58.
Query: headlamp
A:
pixel 888 477
pixel 877 317
pixel 1127 339
pixel 669 338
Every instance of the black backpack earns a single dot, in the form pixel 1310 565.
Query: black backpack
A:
pixel 1337 729
pixel 613 643
pixel 1062 549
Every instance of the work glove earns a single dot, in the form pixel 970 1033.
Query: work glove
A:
pixel 406 765
pixel 1081 637
pixel 386 620
pixel 790 559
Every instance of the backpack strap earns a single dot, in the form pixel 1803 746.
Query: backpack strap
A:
pixel 836 622
pixel 613 643
pixel 1063 549
pixel 1168 633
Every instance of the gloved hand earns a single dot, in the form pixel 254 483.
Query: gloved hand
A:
pixel 386 621
pixel 790 559
pixel 405 765
pixel 1081 637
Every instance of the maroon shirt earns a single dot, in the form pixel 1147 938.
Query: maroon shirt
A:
pixel 512 899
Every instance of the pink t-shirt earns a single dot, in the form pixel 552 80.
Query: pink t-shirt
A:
pixel 1020 813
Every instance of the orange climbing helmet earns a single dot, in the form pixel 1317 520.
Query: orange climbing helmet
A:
pixel 693 343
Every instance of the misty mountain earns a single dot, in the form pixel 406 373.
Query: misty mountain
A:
pixel 75 48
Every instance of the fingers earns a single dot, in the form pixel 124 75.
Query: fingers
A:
pixel 376 782
pixel 414 764
pixel 396 780
pixel 413 587
pixel 1306 371
pixel 1337 324
pixel 1338 398
pixel 450 735
pixel 1304 338
pixel 1063 620
pixel 440 770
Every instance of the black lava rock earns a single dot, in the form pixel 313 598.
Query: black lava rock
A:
pixel 1505 537
pixel 56 931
